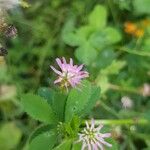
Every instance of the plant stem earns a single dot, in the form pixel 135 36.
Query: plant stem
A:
pixel 135 52
pixel 122 122
pixel 109 109
pixel 129 90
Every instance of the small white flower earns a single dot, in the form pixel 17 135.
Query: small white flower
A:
pixel 91 137
pixel 8 4
pixel 126 102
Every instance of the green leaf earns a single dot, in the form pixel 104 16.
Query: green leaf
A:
pixel 86 54
pixel 75 124
pixel 38 108
pixel 98 17
pixel 56 101
pixel 105 58
pixel 102 81
pixel 58 105
pixel 39 130
pixel 95 95
pixel 79 100
pixel 105 37
pixel 10 136
pixel 47 94
pixel 98 40
pixel 72 39
pixel 44 141
pixel 77 37
pixel 65 145
pixel 84 33
pixel 113 68
pixel 113 35
pixel 141 6
pixel 70 36
pixel 102 78
pixel 77 146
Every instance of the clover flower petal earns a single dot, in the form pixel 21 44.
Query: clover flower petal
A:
pixel 91 137
pixel 69 74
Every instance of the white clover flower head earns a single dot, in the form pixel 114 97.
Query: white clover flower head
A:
pixel 69 74
pixel 8 4
pixel 126 102
pixel 91 137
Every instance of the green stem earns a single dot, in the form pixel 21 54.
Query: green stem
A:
pixel 122 122
pixel 135 52
pixel 138 42
pixel 109 109
pixel 125 89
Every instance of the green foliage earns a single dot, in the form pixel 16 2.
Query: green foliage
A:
pixel 64 145
pixel 40 130
pixel 79 100
pixel 91 37
pixel 92 33
pixel 141 6
pixel 38 108
pixel 103 80
pixel 69 35
pixel 58 105
pixel 105 37
pixel 47 94
pixel 10 136
pixel 98 17
pixel 55 99
pixel 114 68
pixel 45 140
pixel 77 146
pixel 78 104
pixel 42 137
pixel 86 54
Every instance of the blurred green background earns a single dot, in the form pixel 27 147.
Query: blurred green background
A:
pixel 112 39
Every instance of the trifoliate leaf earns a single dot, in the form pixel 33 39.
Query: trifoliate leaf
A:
pixel 86 54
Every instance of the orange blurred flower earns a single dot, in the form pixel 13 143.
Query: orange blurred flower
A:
pixel 134 29
pixel 130 27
